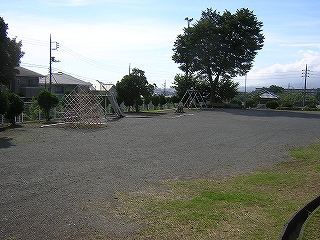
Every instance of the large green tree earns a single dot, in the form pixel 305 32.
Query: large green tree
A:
pixel 10 54
pixel 220 46
pixel 133 87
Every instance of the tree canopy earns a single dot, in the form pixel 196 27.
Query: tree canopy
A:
pixel 10 54
pixel 220 46
pixel 133 87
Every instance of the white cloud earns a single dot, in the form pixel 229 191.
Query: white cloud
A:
pixel 285 74
pixel 317 45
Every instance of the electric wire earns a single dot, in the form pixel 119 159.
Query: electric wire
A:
pixel 289 75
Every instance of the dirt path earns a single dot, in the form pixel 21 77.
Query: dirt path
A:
pixel 60 183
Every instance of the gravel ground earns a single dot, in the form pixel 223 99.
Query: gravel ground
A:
pixel 61 183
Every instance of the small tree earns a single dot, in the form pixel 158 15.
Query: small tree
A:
pixel 162 100
pixel 133 87
pixel 47 101
pixel 15 107
pixel 155 100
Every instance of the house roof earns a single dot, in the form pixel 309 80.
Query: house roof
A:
pixel 268 95
pixel 64 79
pixel 23 72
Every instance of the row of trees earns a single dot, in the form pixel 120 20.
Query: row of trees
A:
pixel 287 99
pixel 11 105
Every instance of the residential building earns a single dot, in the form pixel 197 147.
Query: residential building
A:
pixel 26 83
pixel 62 83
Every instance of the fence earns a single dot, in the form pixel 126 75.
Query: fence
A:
pixel 33 113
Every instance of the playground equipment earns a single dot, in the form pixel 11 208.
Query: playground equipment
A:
pixel 192 98
pixel 82 108
pixel 111 97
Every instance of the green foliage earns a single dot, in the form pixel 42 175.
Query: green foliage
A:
pixel 10 54
pixel 291 100
pixel 155 99
pixel 34 109
pixel 272 104
pixel 311 101
pixel 133 87
pixel 219 46
pixel 226 90
pixel 182 83
pixel 236 101
pixel 4 102
pixel 175 99
pixel 163 100
pixel 250 103
pixel 47 101
pixel 15 108
pixel 275 89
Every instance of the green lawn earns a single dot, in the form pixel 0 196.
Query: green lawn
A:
pixel 254 206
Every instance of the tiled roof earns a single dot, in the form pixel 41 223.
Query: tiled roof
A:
pixel 23 72
pixel 64 79
pixel 268 95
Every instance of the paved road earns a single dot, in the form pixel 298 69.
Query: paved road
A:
pixel 61 183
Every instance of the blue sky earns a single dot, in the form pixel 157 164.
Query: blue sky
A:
pixel 100 38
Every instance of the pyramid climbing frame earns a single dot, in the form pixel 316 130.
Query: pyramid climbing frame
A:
pixel 83 109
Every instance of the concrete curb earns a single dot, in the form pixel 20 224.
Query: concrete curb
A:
pixel 293 227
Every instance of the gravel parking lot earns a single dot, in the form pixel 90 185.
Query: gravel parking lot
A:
pixel 59 183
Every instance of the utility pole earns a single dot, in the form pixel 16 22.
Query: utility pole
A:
pixel 305 74
pixel 52 59
pixel 50 68
pixel 245 91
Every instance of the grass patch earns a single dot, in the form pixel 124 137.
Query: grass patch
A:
pixel 254 206
pixel 312 227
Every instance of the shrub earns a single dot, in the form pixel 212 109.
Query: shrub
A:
pixel 236 101
pixel 272 104
pixel 250 103
pixel 16 106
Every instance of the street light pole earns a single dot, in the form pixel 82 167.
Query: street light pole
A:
pixel 189 20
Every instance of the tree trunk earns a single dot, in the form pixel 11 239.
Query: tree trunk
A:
pixel 213 85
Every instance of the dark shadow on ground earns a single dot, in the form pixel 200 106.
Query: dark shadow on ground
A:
pixel 270 113
pixel 5 142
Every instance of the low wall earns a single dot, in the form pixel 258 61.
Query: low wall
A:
pixel 293 227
